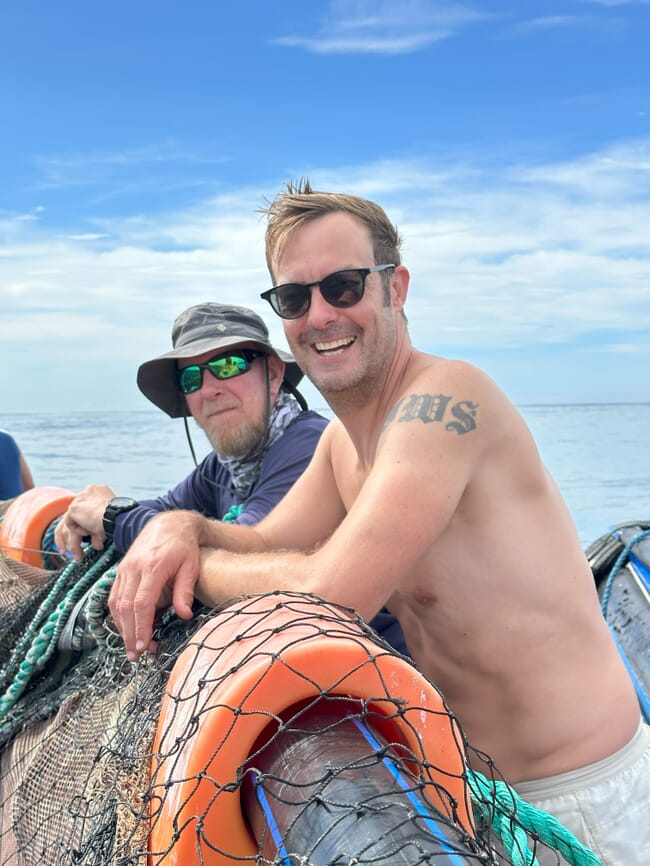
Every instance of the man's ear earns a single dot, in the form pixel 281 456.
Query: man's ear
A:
pixel 276 374
pixel 399 287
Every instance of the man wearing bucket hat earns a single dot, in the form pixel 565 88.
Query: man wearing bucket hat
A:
pixel 241 391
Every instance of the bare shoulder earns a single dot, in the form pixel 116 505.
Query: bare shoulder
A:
pixel 333 435
pixel 333 446
pixel 452 393
pixel 454 373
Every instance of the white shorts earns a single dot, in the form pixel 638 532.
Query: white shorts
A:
pixel 606 805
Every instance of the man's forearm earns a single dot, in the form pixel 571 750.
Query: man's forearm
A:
pixel 226 574
pixel 233 537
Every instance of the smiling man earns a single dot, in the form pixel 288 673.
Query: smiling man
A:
pixel 427 494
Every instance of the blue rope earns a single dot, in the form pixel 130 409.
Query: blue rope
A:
pixel 52 559
pixel 621 561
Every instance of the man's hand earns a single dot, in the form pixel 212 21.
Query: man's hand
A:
pixel 83 518
pixel 160 568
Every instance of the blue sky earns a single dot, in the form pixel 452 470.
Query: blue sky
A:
pixel 510 141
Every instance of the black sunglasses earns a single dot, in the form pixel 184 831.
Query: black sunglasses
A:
pixel 340 289
pixel 225 366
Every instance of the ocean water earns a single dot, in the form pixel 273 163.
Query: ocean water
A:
pixel 599 454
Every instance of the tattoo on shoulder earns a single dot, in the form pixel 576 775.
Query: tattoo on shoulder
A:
pixel 457 416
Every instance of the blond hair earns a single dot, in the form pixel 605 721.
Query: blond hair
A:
pixel 299 204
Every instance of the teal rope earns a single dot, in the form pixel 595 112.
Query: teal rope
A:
pixel 97 604
pixel 621 559
pixel 496 802
pixel 38 643
pixel 233 513
pixel 30 633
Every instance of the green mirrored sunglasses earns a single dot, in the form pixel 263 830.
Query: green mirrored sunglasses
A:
pixel 225 366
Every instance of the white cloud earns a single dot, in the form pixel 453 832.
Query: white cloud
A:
pixel 550 22
pixel 626 348
pixel 364 44
pixel 616 2
pixel 124 178
pixel 620 172
pixel 85 236
pixel 519 255
pixel 365 27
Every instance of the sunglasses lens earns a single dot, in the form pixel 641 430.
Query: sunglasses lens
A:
pixel 190 379
pixel 291 300
pixel 228 366
pixel 340 289
pixel 343 289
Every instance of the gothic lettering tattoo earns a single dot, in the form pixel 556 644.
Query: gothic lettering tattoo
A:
pixel 432 407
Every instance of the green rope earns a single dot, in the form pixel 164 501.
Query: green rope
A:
pixel 39 641
pixel 97 604
pixel 233 513
pixel 496 802
pixel 30 633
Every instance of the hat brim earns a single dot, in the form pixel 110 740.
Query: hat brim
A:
pixel 157 379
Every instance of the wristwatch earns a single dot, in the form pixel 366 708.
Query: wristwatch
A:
pixel 116 506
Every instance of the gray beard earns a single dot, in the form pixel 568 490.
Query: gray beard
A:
pixel 238 446
pixel 245 468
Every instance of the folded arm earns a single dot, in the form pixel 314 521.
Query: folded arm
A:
pixel 162 565
pixel 350 536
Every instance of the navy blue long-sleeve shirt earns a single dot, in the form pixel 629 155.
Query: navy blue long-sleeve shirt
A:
pixel 208 488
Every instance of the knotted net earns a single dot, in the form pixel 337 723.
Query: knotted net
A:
pixel 275 729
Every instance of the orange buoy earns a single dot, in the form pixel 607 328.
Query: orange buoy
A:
pixel 27 519
pixel 239 674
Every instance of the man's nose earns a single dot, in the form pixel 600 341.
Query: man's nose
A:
pixel 210 384
pixel 320 313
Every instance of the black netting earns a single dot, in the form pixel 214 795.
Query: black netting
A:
pixel 276 729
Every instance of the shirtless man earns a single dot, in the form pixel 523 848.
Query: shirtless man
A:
pixel 427 494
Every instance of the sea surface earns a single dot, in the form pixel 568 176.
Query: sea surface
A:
pixel 599 454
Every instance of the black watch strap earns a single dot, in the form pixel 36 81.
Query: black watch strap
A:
pixel 116 506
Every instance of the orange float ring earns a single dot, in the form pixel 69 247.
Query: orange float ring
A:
pixel 27 519
pixel 244 667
